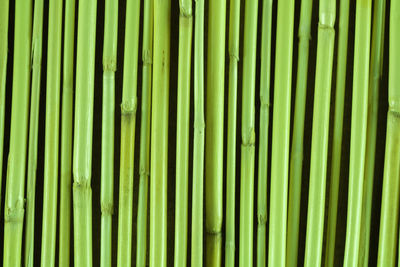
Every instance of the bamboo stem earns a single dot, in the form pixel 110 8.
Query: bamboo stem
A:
pixel 280 134
pixel 159 134
pixel 198 143
pixel 107 141
pixel 82 161
pixel 320 133
pixel 358 130
pixel 36 58
pixel 15 183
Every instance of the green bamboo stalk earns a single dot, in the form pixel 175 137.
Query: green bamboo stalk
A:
pixel 391 174
pixel 182 131
pixel 337 132
pixel 36 58
pixel 144 166
pixel 128 123
pixel 248 134
pixel 375 73
pixel 3 75
pixel 50 189
pixel 280 134
pixel 66 134
pixel 107 134
pixel 320 133
pixel 15 183
pixel 215 130
pixel 82 161
pixel 296 155
pixel 198 143
pixel 159 134
pixel 358 130
pixel 234 30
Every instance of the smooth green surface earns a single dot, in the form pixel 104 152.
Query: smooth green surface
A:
pixel 391 174
pixel 50 188
pixel 159 134
pixel 36 56
pixel 280 134
pixel 358 131
pixel 107 129
pixel 83 130
pixel 296 155
pixel 320 133
pixel 144 164
pixel 16 167
pixel 198 142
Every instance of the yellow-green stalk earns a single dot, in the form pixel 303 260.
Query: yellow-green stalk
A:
pixel 83 130
pixel 358 131
pixel 280 134
pixel 159 134
pixel 50 188
pixel 107 129
pixel 128 123
pixel 182 131
pixel 15 183
pixel 36 57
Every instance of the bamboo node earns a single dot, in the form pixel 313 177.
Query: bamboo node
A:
pixel 144 172
pixel 109 65
pixel 15 214
pixel 262 219
pixel 234 56
pixel 249 139
pixel 185 12
pixel 147 57
pixel 128 107
pixel 230 245
pixel 107 209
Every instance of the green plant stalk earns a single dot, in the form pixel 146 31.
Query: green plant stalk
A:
pixel 198 143
pixel 358 131
pixel 248 134
pixel 182 131
pixel 15 183
pixel 107 133
pixel 215 130
pixel 320 133
pixel 337 132
pixel 82 161
pixel 375 73
pixel 159 134
pixel 234 31
pixel 265 80
pixel 144 165
pixel 3 75
pixel 280 134
pixel 296 155
pixel 49 224
pixel 128 123
pixel 391 174
pixel 66 134
pixel 36 58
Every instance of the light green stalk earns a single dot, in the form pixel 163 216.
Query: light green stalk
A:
pixel 15 183
pixel 265 80
pixel 128 124
pixel 296 155
pixel 182 131
pixel 248 134
pixel 391 174
pixel 159 134
pixel 337 132
pixel 3 73
pixel 36 58
pixel 215 130
pixel 66 134
pixel 83 130
pixel 198 143
pixel 234 30
pixel 107 132
pixel 50 188
pixel 320 133
pixel 375 73
pixel 144 166
pixel 358 130
pixel 280 134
